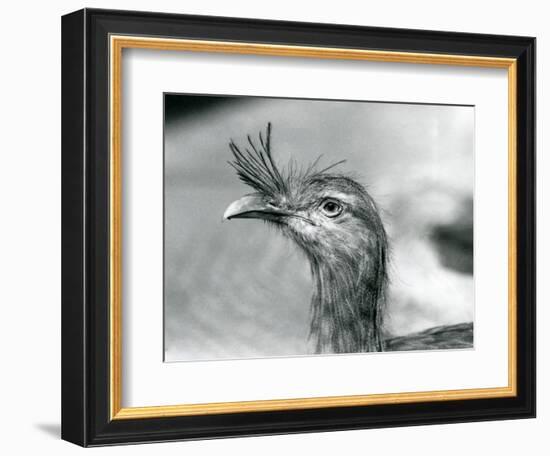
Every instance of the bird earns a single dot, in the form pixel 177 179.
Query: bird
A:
pixel 336 223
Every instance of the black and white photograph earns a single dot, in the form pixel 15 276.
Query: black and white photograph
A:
pixel 275 228
pixel 304 227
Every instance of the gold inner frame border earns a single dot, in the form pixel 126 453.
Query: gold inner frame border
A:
pixel 116 46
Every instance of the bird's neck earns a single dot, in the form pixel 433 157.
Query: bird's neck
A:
pixel 348 303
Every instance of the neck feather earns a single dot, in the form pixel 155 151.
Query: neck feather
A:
pixel 348 303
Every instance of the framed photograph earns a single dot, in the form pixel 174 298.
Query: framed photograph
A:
pixel 277 227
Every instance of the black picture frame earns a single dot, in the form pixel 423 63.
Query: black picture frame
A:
pixel 86 417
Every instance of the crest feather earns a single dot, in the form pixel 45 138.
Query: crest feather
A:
pixel 257 168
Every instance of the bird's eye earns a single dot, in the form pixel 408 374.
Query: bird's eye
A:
pixel 331 208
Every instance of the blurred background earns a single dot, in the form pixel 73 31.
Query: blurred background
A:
pixel 238 289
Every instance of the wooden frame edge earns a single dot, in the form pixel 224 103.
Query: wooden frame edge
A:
pixel 116 45
pixel 115 232
pixel 512 227
pixel 164 411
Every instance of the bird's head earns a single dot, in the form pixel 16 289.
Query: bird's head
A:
pixel 336 223
pixel 329 215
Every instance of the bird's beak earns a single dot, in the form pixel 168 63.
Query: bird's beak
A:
pixel 253 207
